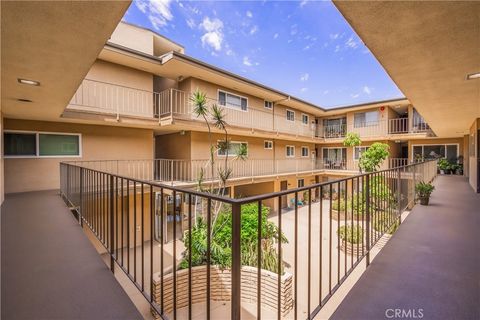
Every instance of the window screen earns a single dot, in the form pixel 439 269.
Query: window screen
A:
pixel 20 144
pixel 58 145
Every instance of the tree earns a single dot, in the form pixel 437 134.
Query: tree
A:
pixel 352 139
pixel 371 159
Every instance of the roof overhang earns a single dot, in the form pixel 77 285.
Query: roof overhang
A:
pixel 52 42
pixel 427 48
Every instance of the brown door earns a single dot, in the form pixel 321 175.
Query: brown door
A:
pixel 284 186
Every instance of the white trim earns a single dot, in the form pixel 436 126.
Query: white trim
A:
pixel 435 144
pixel 269 141
pixel 308 119
pixel 37 144
pixel 230 106
pixel 286 152
pixel 230 155
pixel 308 152
pixel 271 108
pixel 286 115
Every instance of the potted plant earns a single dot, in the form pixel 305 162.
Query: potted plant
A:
pixel 424 190
pixel 351 237
pixel 444 166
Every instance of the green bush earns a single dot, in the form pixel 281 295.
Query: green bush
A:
pixel 221 240
pixel 386 224
pixel 443 164
pixel 351 234
pixel 358 204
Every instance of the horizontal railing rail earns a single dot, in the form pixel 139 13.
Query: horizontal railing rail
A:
pixel 186 250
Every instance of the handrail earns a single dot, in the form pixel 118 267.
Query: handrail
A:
pixel 132 215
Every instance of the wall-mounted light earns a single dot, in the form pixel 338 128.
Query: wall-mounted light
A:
pixel 182 133
pixel 472 76
pixel 29 82
pixel 180 78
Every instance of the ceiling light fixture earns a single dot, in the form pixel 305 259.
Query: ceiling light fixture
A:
pixel 24 100
pixel 472 76
pixel 29 82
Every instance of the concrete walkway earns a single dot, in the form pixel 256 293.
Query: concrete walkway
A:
pixel 430 268
pixel 50 270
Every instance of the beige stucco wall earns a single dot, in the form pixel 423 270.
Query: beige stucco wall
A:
pixel 98 142
pixel 173 146
pixel 473 155
pixel 120 75
pixel 132 37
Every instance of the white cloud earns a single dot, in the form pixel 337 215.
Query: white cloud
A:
pixel 303 89
pixel 325 92
pixel 337 48
pixel 213 35
pixel 304 77
pixel 275 36
pixel 253 30
pixel 293 30
pixel 246 61
pixel 249 14
pixel 190 23
pixel 356 95
pixel 334 36
pixel 157 11
pixel 304 2
pixel 306 47
pixel 350 43
pixel 367 90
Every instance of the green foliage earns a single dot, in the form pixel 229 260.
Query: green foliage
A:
pixel 372 158
pixel 221 240
pixel 358 204
pixel 352 139
pixel 384 223
pixel 351 234
pixel 424 189
pixel 199 101
pixel 443 164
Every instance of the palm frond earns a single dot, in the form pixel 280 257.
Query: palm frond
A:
pixel 218 116
pixel 199 101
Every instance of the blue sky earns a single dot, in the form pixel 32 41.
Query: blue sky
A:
pixel 304 48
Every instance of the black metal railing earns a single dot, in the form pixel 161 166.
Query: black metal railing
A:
pixel 282 254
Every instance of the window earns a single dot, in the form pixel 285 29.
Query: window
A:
pixel 305 118
pixel 233 148
pixel 300 183
pixel 435 151
pixel 305 151
pixel 268 104
pixel 20 144
pixel 232 101
pixel 290 151
pixel 357 152
pixel 365 119
pixel 290 115
pixel 268 144
pixel 41 144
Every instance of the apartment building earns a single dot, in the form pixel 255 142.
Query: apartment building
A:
pixel 134 104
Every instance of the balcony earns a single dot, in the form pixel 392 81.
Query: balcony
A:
pixel 173 105
pixel 144 226
pixel 403 125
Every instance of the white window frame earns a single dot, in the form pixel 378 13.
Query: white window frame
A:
pixel 308 152
pixel 308 119
pixel 230 155
pixel 434 144
pixel 265 102
pixel 230 106
pixel 286 151
pixel 298 183
pixel 358 147
pixel 286 115
pixel 270 142
pixel 37 144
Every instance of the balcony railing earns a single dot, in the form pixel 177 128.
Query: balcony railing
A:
pixel 166 239
pixel 403 126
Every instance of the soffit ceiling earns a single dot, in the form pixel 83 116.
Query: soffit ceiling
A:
pixel 54 42
pixel 427 48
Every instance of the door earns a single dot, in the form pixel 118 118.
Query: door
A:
pixel 284 186
pixel 172 217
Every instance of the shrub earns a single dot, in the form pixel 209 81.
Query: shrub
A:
pixel 358 204
pixel 351 234
pixel 424 189
pixel 371 159
pixel 221 240
pixel 386 224
pixel 443 164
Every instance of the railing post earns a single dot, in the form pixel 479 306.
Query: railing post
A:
pixel 399 195
pixel 236 262
pixel 112 233
pixel 367 208
pixel 171 172
pixel 80 206
pixel 171 103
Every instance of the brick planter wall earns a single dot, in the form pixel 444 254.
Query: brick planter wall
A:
pixel 221 288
